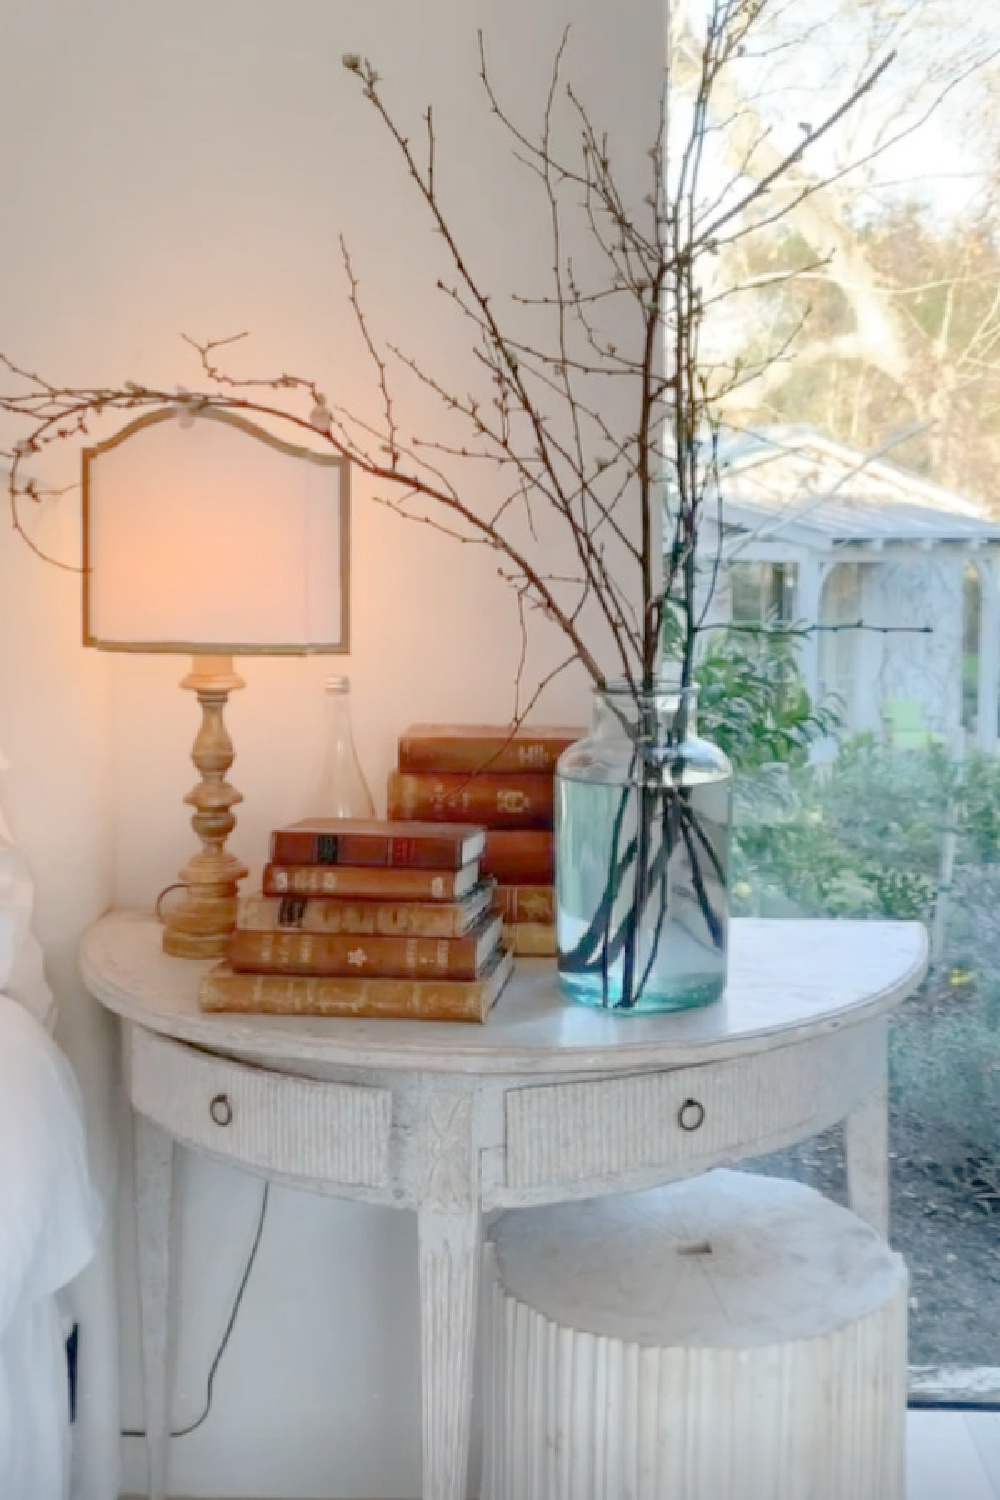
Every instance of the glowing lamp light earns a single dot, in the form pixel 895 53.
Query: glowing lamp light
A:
pixel 212 538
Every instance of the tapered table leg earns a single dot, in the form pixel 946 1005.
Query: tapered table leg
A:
pixel 449 1231
pixel 866 1148
pixel 154 1152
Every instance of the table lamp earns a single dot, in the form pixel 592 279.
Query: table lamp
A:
pixel 204 534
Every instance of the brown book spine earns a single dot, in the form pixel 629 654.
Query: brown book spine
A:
pixel 343 842
pixel 497 801
pixel 520 856
pixel 369 882
pixel 530 939
pixel 525 903
pixel 494 748
pixel 340 953
pixel 388 999
pixel 433 919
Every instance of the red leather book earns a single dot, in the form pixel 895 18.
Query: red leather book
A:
pixel 387 999
pixel 523 801
pixel 483 747
pixel 351 953
pixel 520 856
pixel 374 841
pixel 369 882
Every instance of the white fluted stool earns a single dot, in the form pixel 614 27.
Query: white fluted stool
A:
pixel 731 1337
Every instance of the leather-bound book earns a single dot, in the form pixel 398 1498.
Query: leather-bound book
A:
pixel 525 903
pixel 375 841
pixel 365 997
pixel 349 953
pixel 509 801
pixel 483 747
pixel 370 882
pixel 443 919
pixel 530 939
pixel 520 856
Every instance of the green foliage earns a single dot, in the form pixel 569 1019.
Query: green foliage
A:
pixel 980 817
pixel 752 700
pixel 892 806
pixel 864 839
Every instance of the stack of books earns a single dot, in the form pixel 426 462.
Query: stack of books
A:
pixel 362 917
pixel 502 778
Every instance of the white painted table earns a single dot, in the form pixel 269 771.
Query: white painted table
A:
pixel 548 1101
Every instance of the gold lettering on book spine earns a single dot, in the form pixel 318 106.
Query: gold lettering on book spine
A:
pixel 513 802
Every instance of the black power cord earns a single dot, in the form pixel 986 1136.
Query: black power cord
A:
pixel 140 1432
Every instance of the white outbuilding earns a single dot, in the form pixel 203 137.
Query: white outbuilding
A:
pixel 897 576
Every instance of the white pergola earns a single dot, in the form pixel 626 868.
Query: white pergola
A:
pixel 790 496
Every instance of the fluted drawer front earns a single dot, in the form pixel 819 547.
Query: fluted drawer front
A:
pixel 592 1129
pixel 331 1132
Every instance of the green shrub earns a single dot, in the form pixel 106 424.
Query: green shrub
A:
pixel 752 700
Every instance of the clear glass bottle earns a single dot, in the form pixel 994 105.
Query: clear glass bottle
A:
pixel 643 809
pixel 341 790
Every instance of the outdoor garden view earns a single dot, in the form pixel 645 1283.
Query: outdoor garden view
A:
pixel 851 671
pixel 880 831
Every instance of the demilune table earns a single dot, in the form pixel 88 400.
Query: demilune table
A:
pixel 547 1101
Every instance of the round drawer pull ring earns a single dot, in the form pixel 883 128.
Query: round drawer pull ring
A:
pixel 691 1115
pixel 221 1110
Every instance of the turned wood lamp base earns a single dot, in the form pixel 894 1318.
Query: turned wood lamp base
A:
pixel 199 925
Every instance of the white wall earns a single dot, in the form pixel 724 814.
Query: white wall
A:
pixel 188 168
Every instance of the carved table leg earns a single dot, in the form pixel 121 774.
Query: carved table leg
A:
pixel 154 1152
pixel 449 1230
pixel 866 1144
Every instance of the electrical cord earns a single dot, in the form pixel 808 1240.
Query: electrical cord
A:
pixel 140 1432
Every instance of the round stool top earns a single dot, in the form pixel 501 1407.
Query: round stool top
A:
pixel 723 1260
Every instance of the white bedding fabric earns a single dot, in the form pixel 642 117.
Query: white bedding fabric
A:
pixel 21 972
pixel 49 1216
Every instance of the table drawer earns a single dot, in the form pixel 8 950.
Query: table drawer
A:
pixel 592 1129
pixel 329 1132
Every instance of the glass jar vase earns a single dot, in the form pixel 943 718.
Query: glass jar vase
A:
pixel 341 790
pixel 642 823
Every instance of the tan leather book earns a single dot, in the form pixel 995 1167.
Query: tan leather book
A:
pixel 530 939
pixel 388 999
pixel 369 882
pixel 350 953
pixel 525 903
pixel 441 919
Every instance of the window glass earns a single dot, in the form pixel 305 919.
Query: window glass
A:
pixel 762 592
pixel 840 610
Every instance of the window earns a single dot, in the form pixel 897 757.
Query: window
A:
pixel 763 593
pixel 971 612
pixel 840 605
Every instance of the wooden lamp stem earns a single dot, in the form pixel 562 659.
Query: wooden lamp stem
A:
pixel 199 926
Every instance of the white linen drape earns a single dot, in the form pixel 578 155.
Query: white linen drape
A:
pixel 49 1212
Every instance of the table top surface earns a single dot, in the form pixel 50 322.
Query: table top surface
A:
pixel 788 981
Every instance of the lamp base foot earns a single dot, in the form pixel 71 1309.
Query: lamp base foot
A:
pixel 195 945
pixel 202 921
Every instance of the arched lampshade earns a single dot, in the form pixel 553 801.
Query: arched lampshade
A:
pixel 205 535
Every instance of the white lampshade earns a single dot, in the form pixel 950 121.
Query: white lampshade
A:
pixel 210 535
